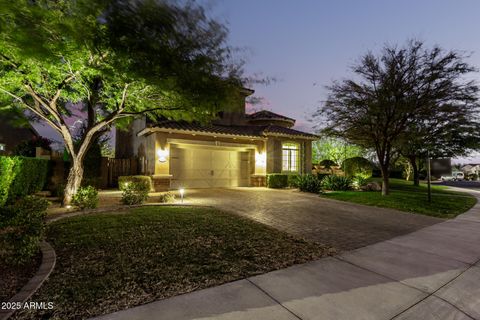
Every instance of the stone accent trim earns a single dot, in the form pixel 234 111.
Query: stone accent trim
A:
pixel 161 183
pixel 258 181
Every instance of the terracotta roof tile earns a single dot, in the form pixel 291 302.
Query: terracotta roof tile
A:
pixel 265 114
pixel 245 130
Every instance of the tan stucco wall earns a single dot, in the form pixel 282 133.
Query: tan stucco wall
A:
pixel 274 154
pixel 307 156
pixel 128 145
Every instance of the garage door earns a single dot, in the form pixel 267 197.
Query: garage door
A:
pixel 196 167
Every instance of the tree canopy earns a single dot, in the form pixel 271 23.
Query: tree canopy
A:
pixel 335 149
pixel 116 59
pixel 399 92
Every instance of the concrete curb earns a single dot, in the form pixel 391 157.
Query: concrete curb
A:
pixel 48 263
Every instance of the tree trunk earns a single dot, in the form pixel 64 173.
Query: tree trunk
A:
pixel 74 180
pixel 416 176
pixel 385 180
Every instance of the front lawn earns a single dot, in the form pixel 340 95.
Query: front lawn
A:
pixel 406 197
pixel 112 261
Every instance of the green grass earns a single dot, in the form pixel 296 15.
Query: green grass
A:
pixel 109 262
pixel 406 197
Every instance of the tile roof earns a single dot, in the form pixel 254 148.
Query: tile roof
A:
pixel 236 130
pixel 265 114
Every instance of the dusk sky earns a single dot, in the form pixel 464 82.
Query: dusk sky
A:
pixel 306 44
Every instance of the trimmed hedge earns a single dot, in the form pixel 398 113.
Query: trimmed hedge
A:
pixel 356 165
pixel 277 180
pixel 21 228
pixel 135 192
pixel 124 181
pixel 6 178
pixel 294 180
pixel 21 176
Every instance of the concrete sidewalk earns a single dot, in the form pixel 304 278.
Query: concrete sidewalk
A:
pixel 433 273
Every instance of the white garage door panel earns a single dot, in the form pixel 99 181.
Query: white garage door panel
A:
pixel 208 168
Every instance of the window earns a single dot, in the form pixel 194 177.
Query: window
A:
pixel 290 157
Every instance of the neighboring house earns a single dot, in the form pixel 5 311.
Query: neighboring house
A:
pixel 11 136
pixel 238 149
pixel 471 168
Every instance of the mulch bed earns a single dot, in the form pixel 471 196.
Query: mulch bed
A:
pixel 13 278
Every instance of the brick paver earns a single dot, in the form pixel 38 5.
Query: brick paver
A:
pixel 342 225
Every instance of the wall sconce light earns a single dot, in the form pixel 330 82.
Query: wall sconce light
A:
pixel 162 155
pixel 260 159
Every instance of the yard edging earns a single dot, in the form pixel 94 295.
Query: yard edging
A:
pixel 49 259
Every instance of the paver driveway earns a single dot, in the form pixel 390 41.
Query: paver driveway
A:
pixel 342 225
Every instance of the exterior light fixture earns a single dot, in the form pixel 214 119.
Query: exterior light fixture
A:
pixel 260 159
pixel 162 155
pixel 182 193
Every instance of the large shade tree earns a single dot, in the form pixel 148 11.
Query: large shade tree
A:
pixel 116 60
pixel 397 90
pixel 452 132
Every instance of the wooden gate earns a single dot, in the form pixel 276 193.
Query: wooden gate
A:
pixel 113 168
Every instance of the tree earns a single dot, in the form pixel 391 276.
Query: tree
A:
pixel 399 89
pixel 115 60
pixel 335 149
pixel 450 131
pixel 328 164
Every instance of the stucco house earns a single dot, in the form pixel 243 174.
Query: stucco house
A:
pixel 471 168
pixel 237 149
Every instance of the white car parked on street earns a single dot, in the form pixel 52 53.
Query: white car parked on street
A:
pixel 456 176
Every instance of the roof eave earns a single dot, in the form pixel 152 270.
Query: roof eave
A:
pixel 293 136
pixel 151 130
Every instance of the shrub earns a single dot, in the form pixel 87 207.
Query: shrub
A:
pixel 135 192
pixel 21 176
pixel 472 176
pixel 21 228
pixel 360 180
pixel 321 176
pixel 277 180
pixel 293 180
pixel 86 198
pixel 337 183
pixel 310 183
pixel 327 164
pixel 124 181
pixel 356 165
pixel 166 197
pixel 6 178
